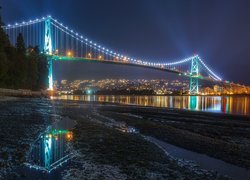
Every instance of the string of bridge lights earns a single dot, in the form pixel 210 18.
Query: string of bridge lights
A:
pixel 24 23
pixel 209 74
pixel 96 46
pixel 55 165
pixel 106 51
pixel 179 62
pixel 80 40
pixel 216 77
pixel 102 49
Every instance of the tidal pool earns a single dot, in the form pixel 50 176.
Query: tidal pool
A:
pixel 52 148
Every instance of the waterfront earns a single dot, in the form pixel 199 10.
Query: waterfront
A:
pixel 220 104
pixel 124 90
pixel 109 141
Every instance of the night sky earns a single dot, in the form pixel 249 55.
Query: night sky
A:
pixel 218 30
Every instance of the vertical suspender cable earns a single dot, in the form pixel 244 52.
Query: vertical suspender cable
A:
pixel 67 43
pixel 81 55
pixel 86 50
pixel 77 48
pixel 61 41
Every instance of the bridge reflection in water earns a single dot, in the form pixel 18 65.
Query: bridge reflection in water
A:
pixel 219 104
pixel 50 150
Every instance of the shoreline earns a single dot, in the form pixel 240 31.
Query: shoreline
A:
pixel 45 94
pixel 160 108
pixel 193 131
pixel 7 98
pixel 199 95
pixel 22 93
pixel 216 135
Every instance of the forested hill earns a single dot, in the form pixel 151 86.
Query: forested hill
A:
pixel 21 67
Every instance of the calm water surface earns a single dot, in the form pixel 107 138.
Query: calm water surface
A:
pixel 204 161
pixel 50 149
pixel 219 104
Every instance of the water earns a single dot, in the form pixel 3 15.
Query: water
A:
pixel 219 104
pixel 58 149
pixel 204 161
pixel 51 149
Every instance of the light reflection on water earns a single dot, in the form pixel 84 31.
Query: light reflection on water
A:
pixel 50 150
pixel 220 104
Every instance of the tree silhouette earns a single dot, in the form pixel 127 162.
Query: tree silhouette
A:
pixel 21 67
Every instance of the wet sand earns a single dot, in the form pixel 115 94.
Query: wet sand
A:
pixel 225 137
pixel 109 150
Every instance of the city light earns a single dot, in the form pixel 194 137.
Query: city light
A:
pixel 125 59
pixel 89 91
pixel 69 53
pixel 69 136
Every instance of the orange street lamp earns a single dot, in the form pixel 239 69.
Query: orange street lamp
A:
pixel 69 53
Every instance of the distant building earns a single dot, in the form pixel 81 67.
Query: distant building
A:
pixel 64 82
pixel 218 89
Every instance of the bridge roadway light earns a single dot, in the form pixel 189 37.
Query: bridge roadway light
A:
pixel 69 53
pixel 125 59
pixel 69 136
pixel 56 52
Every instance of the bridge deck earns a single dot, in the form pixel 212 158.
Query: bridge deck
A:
pixel 67 58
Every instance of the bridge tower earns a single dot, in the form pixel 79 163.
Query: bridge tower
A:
pixel 48 48
pixel 194 84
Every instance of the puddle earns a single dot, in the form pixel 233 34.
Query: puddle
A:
pixel 203 160
pixel 51 149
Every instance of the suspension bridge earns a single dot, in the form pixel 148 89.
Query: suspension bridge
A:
pixel 61 43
